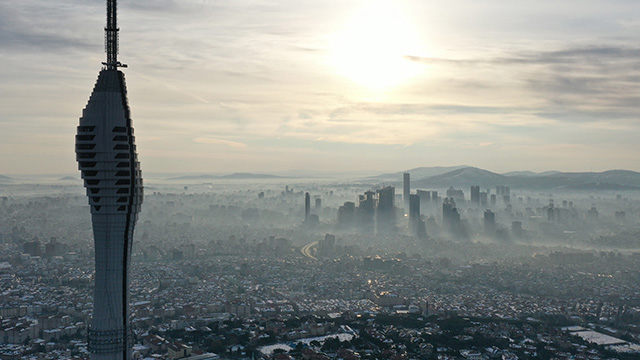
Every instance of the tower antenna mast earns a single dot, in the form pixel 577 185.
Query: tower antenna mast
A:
pixel 111 37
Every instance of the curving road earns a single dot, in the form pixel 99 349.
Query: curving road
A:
pixel 306 250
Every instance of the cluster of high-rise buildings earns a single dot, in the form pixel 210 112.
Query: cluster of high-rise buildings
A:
pixel 375 211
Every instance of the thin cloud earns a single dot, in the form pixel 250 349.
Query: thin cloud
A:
pixel 215 141
pixel 20 31
pixel 212 75
pixel 563 56
pixel 575 84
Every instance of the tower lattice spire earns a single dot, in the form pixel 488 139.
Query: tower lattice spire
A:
pixel 111 36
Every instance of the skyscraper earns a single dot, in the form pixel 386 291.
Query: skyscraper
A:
pixel 307 206
pixel 416 225
pixel 346 215
pixel 414 207
pixel 451 217
pixel 385 212
pixel 366 211
pixel 425 196
pixel 483 198
pixel 108 163
pixel 475 195
pixel 406 190
pixel 489 222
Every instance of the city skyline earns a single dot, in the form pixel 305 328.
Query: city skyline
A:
pixel 307 198
pixel 233 271
pixel 233 87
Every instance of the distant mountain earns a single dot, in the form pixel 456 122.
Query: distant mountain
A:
pixel 5 179
pixel 69 178
pixel 234 176
pixel 606 180
pixel 463 177
pixel 551 172
pixel 530 173
pixel 418 173
pixel 520 173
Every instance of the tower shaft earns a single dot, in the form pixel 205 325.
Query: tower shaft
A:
pixel 108 161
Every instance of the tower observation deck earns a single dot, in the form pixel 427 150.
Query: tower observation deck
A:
pixel 108 162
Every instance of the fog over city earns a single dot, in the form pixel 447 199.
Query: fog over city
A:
pixel 239 265
pixel 319 180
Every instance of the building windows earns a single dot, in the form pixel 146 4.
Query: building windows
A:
pixel 89 155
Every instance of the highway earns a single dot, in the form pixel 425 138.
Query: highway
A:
pixel 306 250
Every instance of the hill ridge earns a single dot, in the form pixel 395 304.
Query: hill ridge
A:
pixel 616 179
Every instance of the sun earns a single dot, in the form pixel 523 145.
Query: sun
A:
pixel 372 48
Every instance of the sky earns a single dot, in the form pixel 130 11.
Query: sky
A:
pixel 331 85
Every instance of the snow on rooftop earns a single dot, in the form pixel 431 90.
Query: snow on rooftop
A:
pixel 599 338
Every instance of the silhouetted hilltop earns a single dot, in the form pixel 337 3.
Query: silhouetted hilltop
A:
pixel 464 177
pixel 521 173
pixel 419 172
pixel 606 180
pixel 530 173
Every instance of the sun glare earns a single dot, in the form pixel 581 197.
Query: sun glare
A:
pixel 372 47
